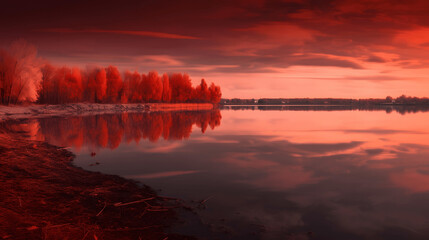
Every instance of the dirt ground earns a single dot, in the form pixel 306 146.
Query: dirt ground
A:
pixel 42 196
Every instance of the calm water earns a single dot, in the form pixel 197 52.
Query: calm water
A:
pixel 268 174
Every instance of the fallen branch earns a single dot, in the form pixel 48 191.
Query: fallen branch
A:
pixel 120 204
pixel 98 214
pixel 205 200
pixel 86 234
pixel 59 225
pixel 133 229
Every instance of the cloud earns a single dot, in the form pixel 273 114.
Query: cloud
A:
pixel 158 59
pixel 282 31
pixel 124 32
pixel 336 39
pixel 375 78
pixel 376 59
pixel 321 61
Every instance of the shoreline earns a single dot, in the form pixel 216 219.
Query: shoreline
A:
pixel 34 110
pixel 44 196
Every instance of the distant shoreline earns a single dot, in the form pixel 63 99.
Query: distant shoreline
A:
pixel 339 105
pixel 388 101
pixel 399 108
pixel 35 110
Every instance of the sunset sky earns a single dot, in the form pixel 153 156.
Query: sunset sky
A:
pixel 251 48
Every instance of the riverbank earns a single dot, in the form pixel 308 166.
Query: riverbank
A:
pixel 43 196
pixel 34 110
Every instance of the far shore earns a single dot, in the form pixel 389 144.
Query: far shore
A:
pixel 40 110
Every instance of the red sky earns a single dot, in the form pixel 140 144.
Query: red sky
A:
pixel 252 48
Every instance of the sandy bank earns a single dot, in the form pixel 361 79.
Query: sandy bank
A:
pixel 19 111
pixel 42 196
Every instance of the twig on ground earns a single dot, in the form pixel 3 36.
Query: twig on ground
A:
pixel 86 234
pixel 120 204
pixel 99 213
pixel 133 229
pixel 205 200
pixel 59 225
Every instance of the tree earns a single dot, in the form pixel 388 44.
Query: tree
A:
pixel 132 82
pixel 389 99
pixel 46 85
pixel 7 75
pixel 151 87
pixel 166 90
pixel 114 84
pixel 96 84
pixel 19 73
pixel 74 85
pixel 215 93
pixel 181 87
pixel 202 93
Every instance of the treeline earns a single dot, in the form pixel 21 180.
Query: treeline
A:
pixel 388 108
pixel 401 100
pixel 108 85
pixel 110 130
pixel 23 78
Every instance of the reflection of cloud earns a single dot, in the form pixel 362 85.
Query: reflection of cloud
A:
pixel 283 177
pixel 379 131
pixel 376 131
pixel 158 148
pixel 411 179
pixel 162 174
pixel 248 160
pixel 324 148
pixel 207 139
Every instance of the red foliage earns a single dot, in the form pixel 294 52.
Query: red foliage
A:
pixel 114 85
pixel 151 86
pixel 202 92
pixel 166 90
pixel 181 87
pixel 106 85
pixel 132 81
pixel 95 85
pixel 215 93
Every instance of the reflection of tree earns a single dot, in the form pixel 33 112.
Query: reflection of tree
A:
pixel 102 131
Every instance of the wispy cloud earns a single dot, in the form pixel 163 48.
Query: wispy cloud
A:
pixel 124 32
pixel 158 59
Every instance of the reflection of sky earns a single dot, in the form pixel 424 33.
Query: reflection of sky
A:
pixel 283 174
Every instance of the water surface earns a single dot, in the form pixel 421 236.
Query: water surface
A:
pixel 268 174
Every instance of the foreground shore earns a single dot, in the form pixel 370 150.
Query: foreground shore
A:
pixel 42 196
pixel 29 111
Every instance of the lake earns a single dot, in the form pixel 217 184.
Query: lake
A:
pixel 267 174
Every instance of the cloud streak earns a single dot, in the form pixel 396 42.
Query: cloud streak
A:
pixel 123 32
